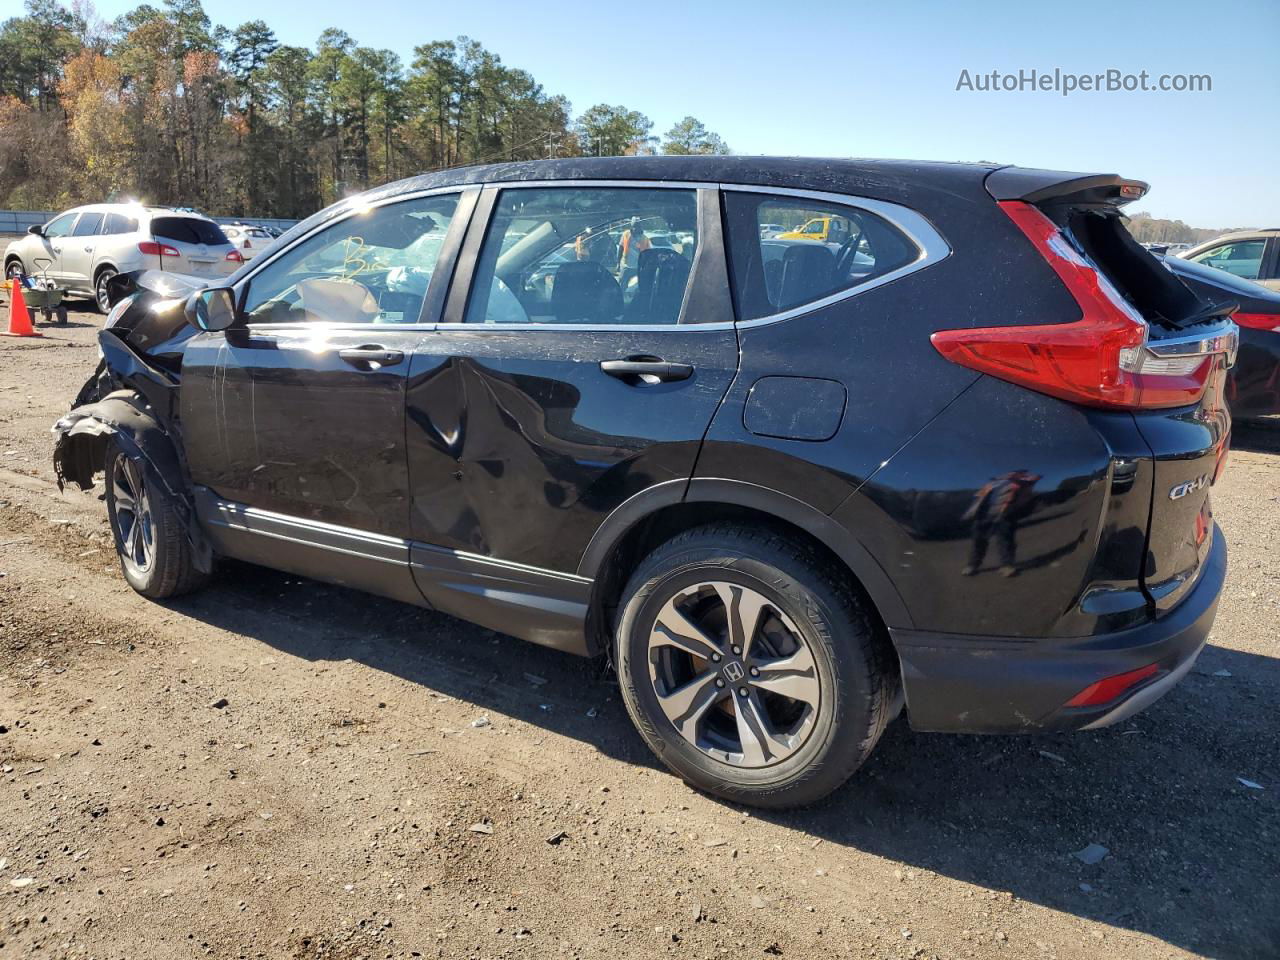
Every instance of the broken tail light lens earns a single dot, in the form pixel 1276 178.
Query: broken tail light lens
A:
pixel 1100 360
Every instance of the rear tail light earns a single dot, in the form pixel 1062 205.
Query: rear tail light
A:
pixel 1101 360
pixel 1107 689
pixel 157 249
pixel 234 256
pixel 1258 321
pixel 247 244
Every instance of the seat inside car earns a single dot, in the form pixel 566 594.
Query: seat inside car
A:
pixel 584 290
pixel 662 275
pixel 807 273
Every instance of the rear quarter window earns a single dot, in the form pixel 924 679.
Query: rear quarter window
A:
pixel 119 223
pixel 187 230
pixel 786 252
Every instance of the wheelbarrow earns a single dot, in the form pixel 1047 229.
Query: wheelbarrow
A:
pixel 44 295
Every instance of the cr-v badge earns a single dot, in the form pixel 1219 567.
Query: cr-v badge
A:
pixel 1191 486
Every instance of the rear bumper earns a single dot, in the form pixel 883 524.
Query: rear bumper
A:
pixel 973 684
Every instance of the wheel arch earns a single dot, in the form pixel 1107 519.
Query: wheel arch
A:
pixel 658 513
pixel 80 447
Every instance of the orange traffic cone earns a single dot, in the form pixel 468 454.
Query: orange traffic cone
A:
pixel 19 318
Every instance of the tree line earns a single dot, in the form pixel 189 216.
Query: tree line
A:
pixel 164 106
pixel 1148 229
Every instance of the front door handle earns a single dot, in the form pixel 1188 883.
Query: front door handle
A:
pixel 646 370
pixel 372 356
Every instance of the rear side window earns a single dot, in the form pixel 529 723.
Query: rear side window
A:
pixel 586 255
pixel 87 225
pixel 119 223
pixel 187 230
pixel 786 252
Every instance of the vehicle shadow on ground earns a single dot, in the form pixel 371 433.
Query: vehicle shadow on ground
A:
pixel 1256 436
pixel 1192 851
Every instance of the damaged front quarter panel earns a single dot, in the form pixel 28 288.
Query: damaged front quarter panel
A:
pixel 133 402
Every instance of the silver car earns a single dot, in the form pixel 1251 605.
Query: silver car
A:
pixel 249 239
pixel 85 247
pixel 1248 254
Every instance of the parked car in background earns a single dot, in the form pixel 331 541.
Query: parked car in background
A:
pixel 1253 387
pixel 85 247
pixel 1248 254
pixel 250 240
pixel 962 459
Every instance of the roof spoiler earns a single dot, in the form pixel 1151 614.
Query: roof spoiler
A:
pixel 1054 187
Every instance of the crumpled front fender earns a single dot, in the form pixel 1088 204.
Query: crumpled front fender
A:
pixel 80 447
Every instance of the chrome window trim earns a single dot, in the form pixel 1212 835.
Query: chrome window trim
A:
pixel 587 182
pixel 933 249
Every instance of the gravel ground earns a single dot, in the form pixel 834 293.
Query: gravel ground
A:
pixel 278 768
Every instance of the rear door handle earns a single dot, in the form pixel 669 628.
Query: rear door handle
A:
pixel 371 355
pixel 643 369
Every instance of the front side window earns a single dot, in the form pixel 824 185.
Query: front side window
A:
pixel 87 225
pixel 59 226
pixel 371 267
pixel 1241 259
pixel 821 249
pixel 586 255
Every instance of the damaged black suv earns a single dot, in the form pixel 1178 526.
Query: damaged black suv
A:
pixel 792 442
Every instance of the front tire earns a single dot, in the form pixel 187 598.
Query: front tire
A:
pixel 750 668
pixel 155 552
pixel 13 269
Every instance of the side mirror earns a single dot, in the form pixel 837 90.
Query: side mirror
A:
pixel 212 310
pixel 36 230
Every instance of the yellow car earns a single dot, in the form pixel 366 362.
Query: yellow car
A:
pixel 825 229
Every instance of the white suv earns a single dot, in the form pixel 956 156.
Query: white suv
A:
pixel 85 247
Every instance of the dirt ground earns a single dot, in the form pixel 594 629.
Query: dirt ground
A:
pixel 278 768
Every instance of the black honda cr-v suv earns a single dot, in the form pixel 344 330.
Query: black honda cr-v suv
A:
pixel 790 441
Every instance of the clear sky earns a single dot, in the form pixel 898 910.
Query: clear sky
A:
pixel 879 80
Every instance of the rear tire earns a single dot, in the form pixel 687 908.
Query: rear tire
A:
pixel 100 295
pixel 13 269
pixel 774 716
pixel 155 552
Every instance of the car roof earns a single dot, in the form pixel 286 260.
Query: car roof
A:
pixel 920 184
pixel 811 173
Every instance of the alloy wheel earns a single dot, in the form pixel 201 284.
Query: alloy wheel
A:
pixel 133 515
pixel 100 291
pixel 733 675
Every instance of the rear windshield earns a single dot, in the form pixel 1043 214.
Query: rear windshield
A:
pixel 1157 294
pixel 187 230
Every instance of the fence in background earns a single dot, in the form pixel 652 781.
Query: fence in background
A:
pixel 17 221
